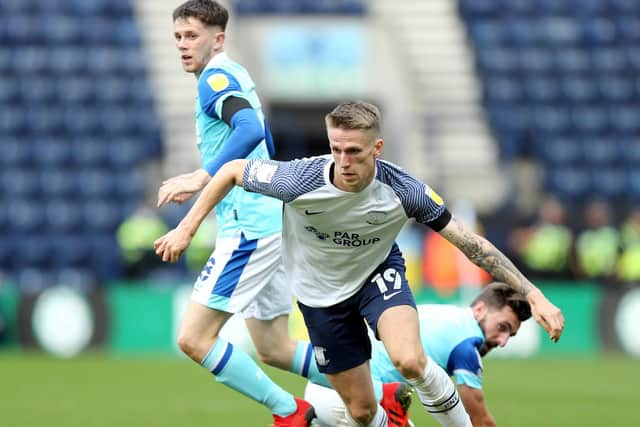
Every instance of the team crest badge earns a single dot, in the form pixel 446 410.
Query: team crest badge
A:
pixel 376 217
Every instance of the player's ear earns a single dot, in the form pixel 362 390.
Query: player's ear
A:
pixel 377 147
pixel 479 309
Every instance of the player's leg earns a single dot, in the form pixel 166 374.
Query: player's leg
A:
pixel 342 349
pixel 392 315
pixel 222 289
pixel 267 319
pixel 330 409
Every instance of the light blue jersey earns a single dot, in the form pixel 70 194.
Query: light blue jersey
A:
pixel 253 214
pixel 451 336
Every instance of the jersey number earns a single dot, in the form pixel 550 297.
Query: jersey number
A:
pixel 390 277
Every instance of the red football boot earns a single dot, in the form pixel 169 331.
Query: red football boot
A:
pixel 396 399
pixel 300 418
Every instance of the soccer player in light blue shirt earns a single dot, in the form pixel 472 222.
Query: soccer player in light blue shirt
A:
pixel 244 273
pixel 455 338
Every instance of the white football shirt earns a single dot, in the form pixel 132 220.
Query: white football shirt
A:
pixel 332 239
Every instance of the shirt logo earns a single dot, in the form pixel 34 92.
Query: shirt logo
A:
pixel 321 359
pixel 218 82
pixel 389 296
pixel 262 172
pixel 376 217
pixel 308 212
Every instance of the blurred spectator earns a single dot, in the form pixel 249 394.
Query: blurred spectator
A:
pixel 544 248
pixel 628 267
pixel 598 245
pixel 202 245
pixel 136 235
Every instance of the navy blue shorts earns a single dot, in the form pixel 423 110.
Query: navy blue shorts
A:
pixel 338 333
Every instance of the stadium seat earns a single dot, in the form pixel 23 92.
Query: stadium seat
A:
pixel 15 152
pixel 82 120
pixel 19 182
pixel 598 31
pixel 95 183
pixel 112 90
pixel 13 121
pixel 608 60
pixel 548 119
pixel 559 31
pixel 579 90
pixel 522 31
pixel 9 89
pixel 629 27
pixel 570 61
pixel 609 183
pixel 101 215
pixel 542 90
pixel 69 62
pixel 60 29
pixel 534 60
pixel 589 119
pixel 631 147
pixel 105 256
pixel 559 151
pixel 570 184
pixel 51 151
pixel 625 119
pixel 602 151
pixel 32 278
pixel 71 250
pixel 124 152
pixel 90 151
pixel 75 90
pixel 615 89
pixel 477 8
pixel 26 215
pixel 503 90
pixel 62 215
pixel 129 183
pixel 496 60
pixel 59 182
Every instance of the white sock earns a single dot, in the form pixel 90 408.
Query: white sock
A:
pixel 379 420
pixel 439 396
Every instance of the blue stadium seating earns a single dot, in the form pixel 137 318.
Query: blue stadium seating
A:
pixel 560 83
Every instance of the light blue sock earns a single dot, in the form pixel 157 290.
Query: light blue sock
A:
pixel 304 364
pixel 235 369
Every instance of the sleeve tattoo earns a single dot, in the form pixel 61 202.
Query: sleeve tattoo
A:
pixel 486 256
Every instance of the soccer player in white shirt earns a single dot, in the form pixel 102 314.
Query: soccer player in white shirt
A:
pixel 342 214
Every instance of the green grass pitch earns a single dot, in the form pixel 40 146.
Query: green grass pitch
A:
pixel 102 391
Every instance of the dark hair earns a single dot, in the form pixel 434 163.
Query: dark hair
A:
pixel 497 295
pixel 211 13
pixel 355 115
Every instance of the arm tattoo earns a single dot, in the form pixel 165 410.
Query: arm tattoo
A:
pixel 486 256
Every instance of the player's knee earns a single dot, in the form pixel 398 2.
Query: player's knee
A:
pixel 188 344
pixel 410 365
pixel 362 414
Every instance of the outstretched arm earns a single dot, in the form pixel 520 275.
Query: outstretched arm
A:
pixel 473 400
pixel 482 253
pixel 175 242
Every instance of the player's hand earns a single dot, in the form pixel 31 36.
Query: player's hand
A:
pixel 177 189
pixel 546 314
pixel 170 246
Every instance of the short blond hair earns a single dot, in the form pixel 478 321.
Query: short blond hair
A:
pixel 355 115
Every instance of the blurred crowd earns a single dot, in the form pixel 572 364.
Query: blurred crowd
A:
pixel 590 244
